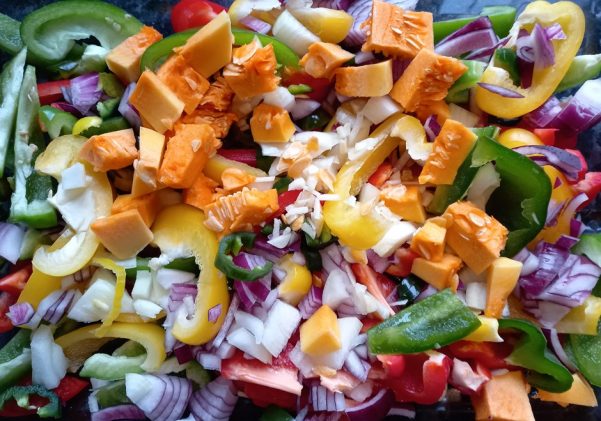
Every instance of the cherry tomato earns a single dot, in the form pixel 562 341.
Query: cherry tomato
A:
pixel 51 91
pixel 589 185
pixel 189 14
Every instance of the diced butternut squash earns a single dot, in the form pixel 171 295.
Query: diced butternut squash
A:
pixel 156 103
pixel 365 81
pixel 220 121
pixel 439 274
pixel 426 80
pixel 147 205
pixel 475 236
pixel 252 70
pixel 395 32
pixel 234 179
pixel 218 164
pixel 124 59
pixel 146 170
pixel 320 334
pixel 297 282
pixel 581 393
pixel 168 197
pixel 501 278
pixel 504 398
pixel 271 124
pixel 429 242
pixel 110 151
pixel 582 319
pixel 324 58
pixel 124 234
pixel 201 193
pixel 452 145
pixel 184 81
pixel 241 210
pixel 219 96
pixel 439 108
pixel 209 49
pixel 405 201
pixel 186 155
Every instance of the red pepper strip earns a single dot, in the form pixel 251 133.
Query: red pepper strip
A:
pixel 404 258
pixel 69 387
pixel 51 91
pixel 6 300
pixel 566 139
pixel 285 199
pixel 589 185
pixel 547 136
pixel 382 174
pixel 321 86
pixel 394 365
pixel 14 282
pixel 264 396
pixel 246 156
pixel 489 354
pixel 582 160
pixel 377 285
pixel 424 379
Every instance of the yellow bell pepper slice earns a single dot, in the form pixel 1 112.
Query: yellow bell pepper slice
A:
pixel 544 80
pixel 119 272
pixel 150 336
pixel 180 231
pixel 583 319
pixel 346 221
pixel 38 286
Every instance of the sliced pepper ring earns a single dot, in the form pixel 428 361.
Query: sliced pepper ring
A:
pixel 232 244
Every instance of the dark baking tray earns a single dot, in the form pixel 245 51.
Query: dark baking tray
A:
pixel 157 12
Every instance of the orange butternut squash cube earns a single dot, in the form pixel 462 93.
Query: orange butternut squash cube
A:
pixel 146 170
pixel 110 151
pixel 364 81
pixel 234 179
pixel 426 80
pixel 184 81
pixel 452 145
pixel 124 234
pixel 209 49
pixel 439 108
pixel 220 121
pixel 186 155
pixel 241 210
pixel 219 96
pixel 395 32
pixel 320 334
pixel 429 241
pixel 504 398
pixel 441 274
pixel 501 278
pixel 157 104
pixel 271 124
pixel 405 201
pixel 124 59
pixel 475 236
pixel 324 58
pixel 202 192
pixel 252 71
pixel 147 205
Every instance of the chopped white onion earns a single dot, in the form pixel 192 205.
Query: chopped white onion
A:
pixel 282 320
pixel 291 32
pixel 486 181
pixel 245 341
pixel 475 295
pixel 378 109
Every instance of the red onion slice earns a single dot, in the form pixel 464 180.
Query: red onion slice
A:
pixel 470 41
pixel 499 90
pixel 84 92
pixel 303 107
pixel 255 24
pixel 127 110
pixel 432 128
pixel 119 412
pixel 214 313
pixel 375 408
pixel 215 401
pixel 311 302
pixel 20 314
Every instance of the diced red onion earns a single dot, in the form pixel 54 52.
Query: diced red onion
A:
pixel 576 227
pixel 470 41
pixel 558 183
pixel 551 259
pixel 168 397
pixel 428 291
pixel 376 408
pixel 583 111
pixel 575 204
pixel 526 70
pixel 255 24
pixel 332 4
pixel 66 107
pixel 545 114
pixel 127 110
pixel 177 294
pixel 465 379
pixel 227 322
pixel 399 65
pixel 543 48
pixel 529 261
pixel 432 127
pixel 555 31
pixel 214 313
pixel 553 211
pixel 484 54
pixel 303 107
pixel 499 90
pixel 548 313
pixel 566 242
pixel 483 22
pixel 364 57
pixel 378 263
pixel 20 313
pixel 53 307
pixel 216 401
pixel 11 239
pixel 84 92
pixel 183 353
pixel 119 412
pixel 209 361
pixel 262 248
pixel 322 399
pixel 557 347
pixel 311 302
pixel 561 159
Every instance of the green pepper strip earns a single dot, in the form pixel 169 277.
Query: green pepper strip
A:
pixel 185 264
pixel 434 322
pixel 325 239
pixel 507 59
pixel 56 122
pixel 583 68
pixel 14 363
pixel 111 367
pixel 112 394
pixel 232 244
pixel 21 395
pixel 112 124
pixel 409 288
pixel 467 80
pixel 10 36
pixel 29 202
pixel 531 352
pixel 502 18
pixel 157 53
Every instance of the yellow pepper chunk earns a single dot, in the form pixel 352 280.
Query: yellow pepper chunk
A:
pixel 320 334
pixel 582 319
pixel 488 331
pixel 38 287
pixel 297 282
pixel 180 230
pixel 150 336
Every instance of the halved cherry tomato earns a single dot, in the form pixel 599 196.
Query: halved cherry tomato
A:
pixel 382 174
pixel 321 86
pixel 189 14
pixel 51 91
pixel 285 199
pixel 246 156
pixel 14 282
pixel 489 354
pixel 404 258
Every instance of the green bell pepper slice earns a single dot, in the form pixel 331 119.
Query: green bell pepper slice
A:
pixel 56 122
pixel 186 264
pixel 585 351
pixel 112 394
pixel 10 35
pixel 29 201
pixel 107 108
pixel 434 322
pixel 502 18
pixel 51 31
pixel 111 124
pixel 457 93
pixel 197 374
pixel 21 395
pixel 583 68
pixel 15 359
pixel 157 53
pixel 233 244
pixel 112 367
pixel 531 352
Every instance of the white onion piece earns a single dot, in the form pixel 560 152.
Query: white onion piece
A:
pixel 291 32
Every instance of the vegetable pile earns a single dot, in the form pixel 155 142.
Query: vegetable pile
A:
pixel 335 209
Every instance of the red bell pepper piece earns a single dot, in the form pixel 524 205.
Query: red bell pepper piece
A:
pixel 246 156
pixel 547 136
pixel 404 258
pixel 51 91
pixel 424 379
pixel 264 396
pixel 285 199
pixel 377 284
pixel 589 185
pixel 382 174
pixel 489 354
pixel 69 387
pixel 394 365
pixel 14 282
pixel 321 86
pixel 6 300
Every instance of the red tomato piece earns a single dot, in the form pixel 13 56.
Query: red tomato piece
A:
pixel 547 136
pixel 264 396
pixel 583 164
pixel 321 86
pixel 51 91
pixel 394 365
pixel 589 185
pixel 404 258
pixel 189 14
pixel 6 300
pixel 69 387
pixel 377 285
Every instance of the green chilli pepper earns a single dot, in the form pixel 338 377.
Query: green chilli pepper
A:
pixel 531 352
pixel 434 322
pixel 233 244
pixel 502 18
pixel 21 394
pixel 300 89
pixel 409 288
